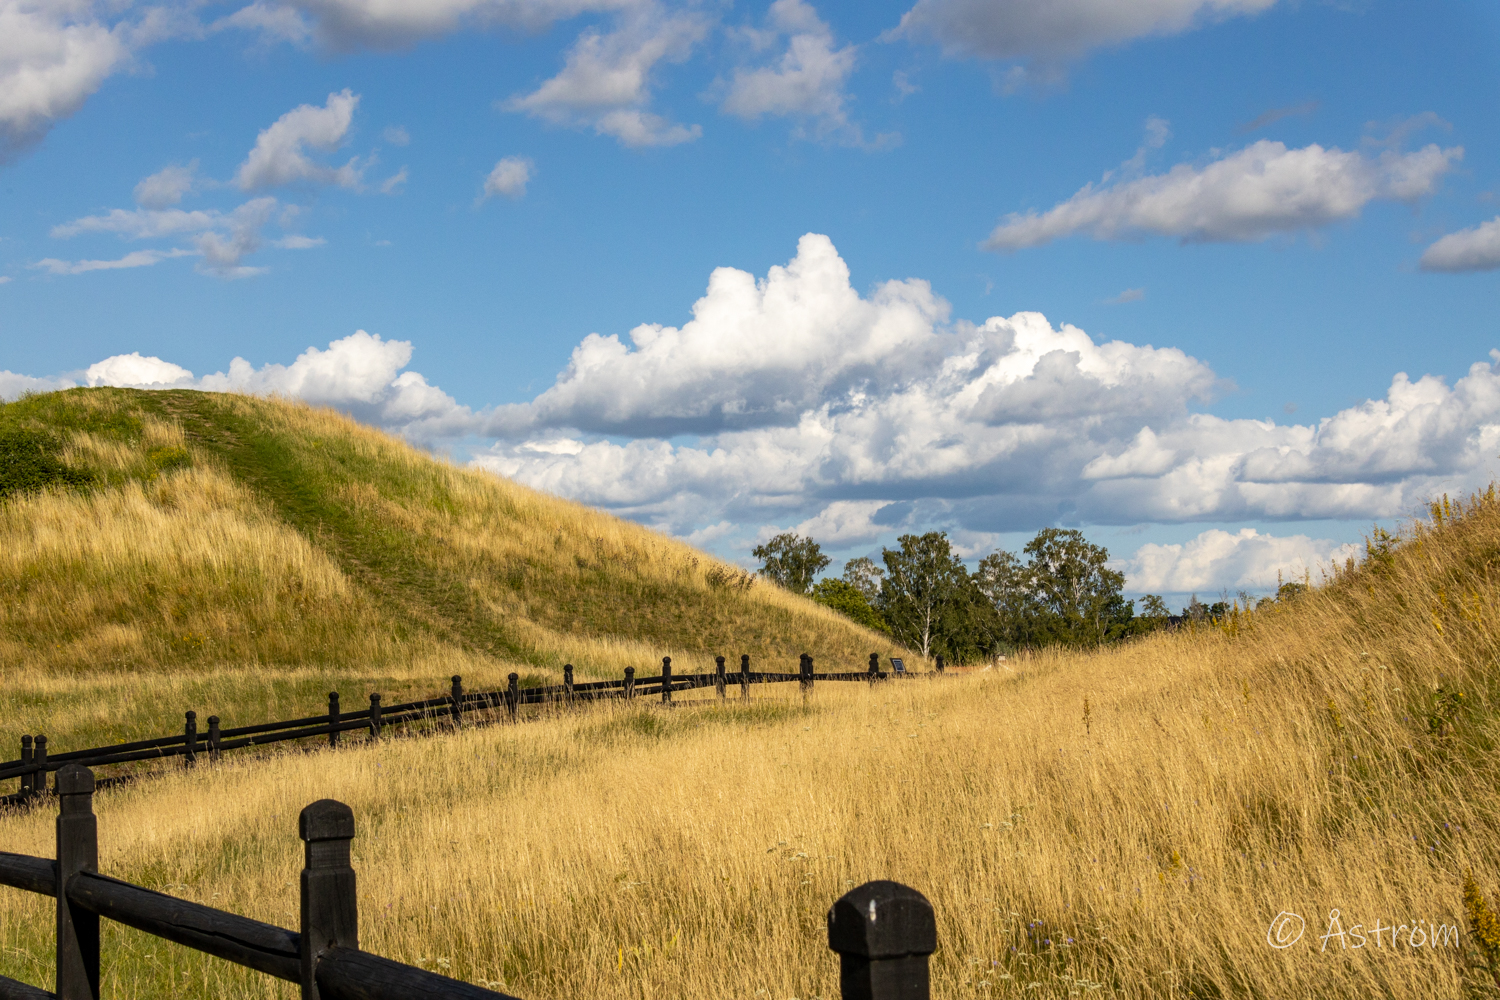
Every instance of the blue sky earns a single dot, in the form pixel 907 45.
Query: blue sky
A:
pixel 1147 268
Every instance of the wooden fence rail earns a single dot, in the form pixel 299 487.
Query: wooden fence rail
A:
pixel 37 760
pixel 882 931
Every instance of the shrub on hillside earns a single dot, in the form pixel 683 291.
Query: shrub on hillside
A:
pixel 27 465
pixel 845 598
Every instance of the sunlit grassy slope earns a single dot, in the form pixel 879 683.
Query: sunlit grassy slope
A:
pixel 242 556
pixel 1127 823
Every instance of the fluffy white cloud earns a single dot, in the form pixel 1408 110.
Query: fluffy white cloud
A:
pixel 804 395
pixel 13 385
pixel 52 57
pixel 509 178
pixel 167 186
pixel 605 82
pixel 279 155
pixel 273 22
pixel 223 248
pixel 133 369
pixel 394 24
pixel 1263 189
pixel 1053 29
pixel 806 82
pixel 796 400
pixel 1217 561
pixel 1476 249
pixel 754 353
pixel 360 373
pixel 842 523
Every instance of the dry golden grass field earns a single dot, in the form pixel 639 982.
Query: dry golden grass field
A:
pixel 242 557
pixel 1122 823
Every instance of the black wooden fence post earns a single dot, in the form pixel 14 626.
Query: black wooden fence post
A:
pixel 874 667
pixel 745 675
pixel 333 718
pixel 28 780
pixel 629 683
pixel 940 664
pixel 77 851
pixel 884 933
pixel 330 915
pixel 375 722
pixel 213 738
pixel 666 680
pixel 39 761
pixel 456 693
pixel 512 695
pixel 568 682
pixel 804 670
pixel 190 740
pixel 719 679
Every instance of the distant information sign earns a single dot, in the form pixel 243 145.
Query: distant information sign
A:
pixel 897 665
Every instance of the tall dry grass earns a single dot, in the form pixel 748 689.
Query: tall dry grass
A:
pixel 1125 823
pixel 242 556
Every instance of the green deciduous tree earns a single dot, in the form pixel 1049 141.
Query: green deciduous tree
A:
pixel 1078 596
pixel 847 600
pixel 791 560
pixel 864 576
pixel 926 596
pixel 1005 584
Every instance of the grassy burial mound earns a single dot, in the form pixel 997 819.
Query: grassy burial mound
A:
pixel 161 551
pixel 1128 823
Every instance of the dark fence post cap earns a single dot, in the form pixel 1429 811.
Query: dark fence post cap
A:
pixel 326 819
pixel 75 779
pixel 882 920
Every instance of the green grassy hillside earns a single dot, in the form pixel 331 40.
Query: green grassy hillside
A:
pixel 252 554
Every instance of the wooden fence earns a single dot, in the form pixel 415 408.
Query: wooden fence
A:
pixel 882 931
pixel 453 709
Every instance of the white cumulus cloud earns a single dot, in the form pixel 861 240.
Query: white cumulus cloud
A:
pixel 1054 29
pixel 1263 189
pixel 807 82
pixel 606 80
pixel 53 56
pixel 13 385
pixel 280 157
pixel 394 24
pixel 793 399
pixel 1476 249
pixel 784 396
pixel 842 523
pixel 1218 560
pixel 167 186
pixel 133 369
pixel 360 373
pixel 509 178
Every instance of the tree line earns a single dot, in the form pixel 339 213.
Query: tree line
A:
pixel 1061 593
